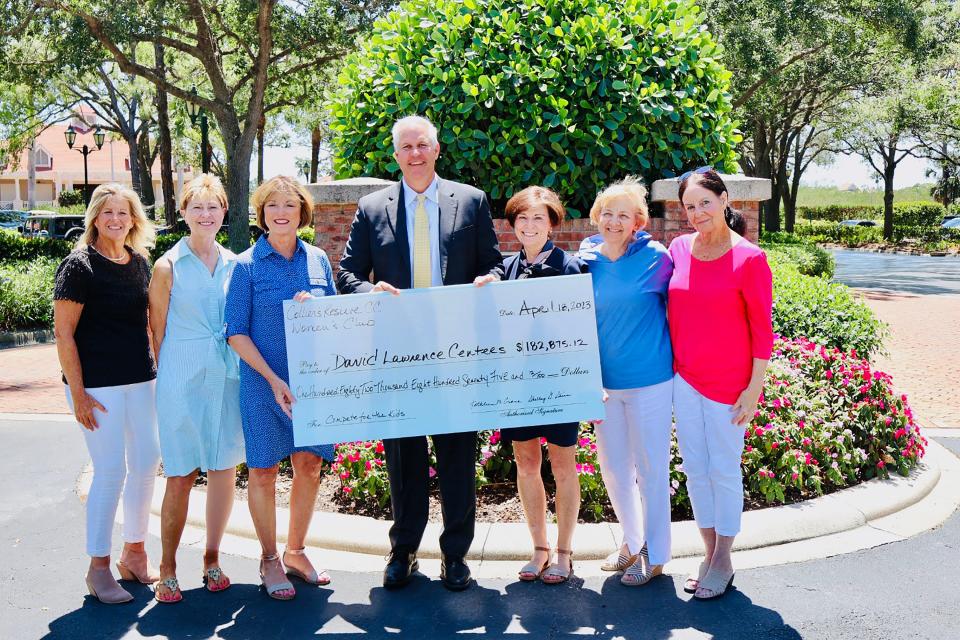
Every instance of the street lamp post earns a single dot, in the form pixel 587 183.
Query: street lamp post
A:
pixel 71 135
pixel 199 113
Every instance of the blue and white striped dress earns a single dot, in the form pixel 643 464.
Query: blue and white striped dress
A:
pixel 198 381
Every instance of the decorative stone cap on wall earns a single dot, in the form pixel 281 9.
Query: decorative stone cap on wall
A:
pixel 739 187
pixel 345 191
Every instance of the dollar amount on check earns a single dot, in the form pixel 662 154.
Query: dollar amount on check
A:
pixel 445 359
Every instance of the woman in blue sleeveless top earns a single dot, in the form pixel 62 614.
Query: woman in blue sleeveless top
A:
pixel 198 392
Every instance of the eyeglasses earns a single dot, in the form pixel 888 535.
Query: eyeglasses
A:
pixel 698 170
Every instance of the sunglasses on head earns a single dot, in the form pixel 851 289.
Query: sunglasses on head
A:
pixel 698 170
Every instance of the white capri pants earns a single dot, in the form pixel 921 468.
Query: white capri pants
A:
pixel 633 447
pixel 711 447
pixel 126 454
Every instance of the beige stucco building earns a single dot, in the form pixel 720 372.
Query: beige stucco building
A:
pixel 60 168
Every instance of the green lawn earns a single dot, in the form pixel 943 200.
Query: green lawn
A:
pixel 823 196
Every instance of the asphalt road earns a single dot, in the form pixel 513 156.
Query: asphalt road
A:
pixel 892 272
pixel 902 590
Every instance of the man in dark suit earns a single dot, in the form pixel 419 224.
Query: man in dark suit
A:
pixel 424 232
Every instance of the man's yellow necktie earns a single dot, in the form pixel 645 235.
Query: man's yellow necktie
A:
pixel 422 274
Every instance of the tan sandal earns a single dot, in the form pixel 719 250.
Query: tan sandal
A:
pixel 556 575
pixel 320 579
pixel 641 571
pixel 530 571
pixel 693 581
pixel 618 560
pixel 716 583
pixel 273 590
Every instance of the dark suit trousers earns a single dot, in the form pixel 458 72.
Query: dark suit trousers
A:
pixel 408 468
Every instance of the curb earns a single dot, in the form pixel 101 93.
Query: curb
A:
pixel 14 339
pixel 866 515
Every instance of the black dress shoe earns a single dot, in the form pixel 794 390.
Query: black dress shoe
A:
pixel 454 573
pixel 399 569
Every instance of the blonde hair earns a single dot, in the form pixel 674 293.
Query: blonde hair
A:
pixel 630 187
pixel 141 234
pixel 282 184
pixel 204 185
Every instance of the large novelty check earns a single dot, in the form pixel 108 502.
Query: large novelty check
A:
pixel 445 359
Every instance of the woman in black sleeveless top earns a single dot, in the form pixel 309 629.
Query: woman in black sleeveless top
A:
pixel 534 213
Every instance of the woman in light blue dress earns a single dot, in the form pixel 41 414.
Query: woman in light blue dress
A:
pixel 198 385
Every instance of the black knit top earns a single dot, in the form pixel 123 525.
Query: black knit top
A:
pixel 111 335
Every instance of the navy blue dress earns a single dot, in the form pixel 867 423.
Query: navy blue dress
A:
pixel 262 280
pixel 558 263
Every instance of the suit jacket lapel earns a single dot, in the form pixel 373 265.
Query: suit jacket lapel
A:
pixel 448 221
pixel 397 219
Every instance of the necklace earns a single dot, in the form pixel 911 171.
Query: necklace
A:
pixel 115 260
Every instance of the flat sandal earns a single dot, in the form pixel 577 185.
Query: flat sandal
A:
pixel 273 590
pixel 556 575
pixel 530 571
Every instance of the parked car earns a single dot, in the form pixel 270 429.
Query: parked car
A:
pixel 952 222
pixel 12 218
pixel 858 223
pixel 50 225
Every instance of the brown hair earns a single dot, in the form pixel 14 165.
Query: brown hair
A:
pixel 530 197
pixel 711 181
pixel 632 188
pixel 282 184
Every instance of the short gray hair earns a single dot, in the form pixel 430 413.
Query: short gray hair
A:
pixel 419 121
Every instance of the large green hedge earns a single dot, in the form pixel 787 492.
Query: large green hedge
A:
pixel 570 94
pixel 913 214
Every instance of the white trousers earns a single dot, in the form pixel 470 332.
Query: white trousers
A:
pixel 633 446
pixel 711 447
pixel 126 454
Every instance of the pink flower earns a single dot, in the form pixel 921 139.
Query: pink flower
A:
pixel 495 437
pixel 347 490
pixel 828 375
pixel 880 464
pixel 379 448
pixel 367 465
pixel 433 472
pixel 758 431
pixel 774 445
pixel 794 475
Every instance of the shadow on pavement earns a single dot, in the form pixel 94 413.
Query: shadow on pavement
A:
pixel 426 609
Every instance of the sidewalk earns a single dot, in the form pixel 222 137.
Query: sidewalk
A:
pixel 923 351
pixel 30 380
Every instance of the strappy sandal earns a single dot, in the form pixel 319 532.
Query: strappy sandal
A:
pixel 640 572
pixel 531 571
pixel 273 590
pixel 556 575
pixel 173 587
pixel 319 579
pixel 693 581
pixel 213 579
pixel 716 583
pixel 618 560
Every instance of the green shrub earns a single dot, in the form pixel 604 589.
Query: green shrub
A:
pixel 26 294
pixel 918 214
pixel 70 197
pixel 836 213
pixel 825 312
pixel 14 246
pixel 836 234
pixel 570 94
pixel 807 258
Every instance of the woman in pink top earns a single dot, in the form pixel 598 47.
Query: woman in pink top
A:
pixel 719 310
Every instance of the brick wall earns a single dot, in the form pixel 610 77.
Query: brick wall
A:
pixel 332 221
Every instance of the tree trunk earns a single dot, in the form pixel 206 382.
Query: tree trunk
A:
pixel 237 149
pixel 133 151
pixel 145 160
pixel 166 146
pixel 260 127
pixel 314 154
pixel 888 201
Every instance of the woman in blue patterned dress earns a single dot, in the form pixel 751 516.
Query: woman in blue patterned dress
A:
pixel 198 385
pixel 278 267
